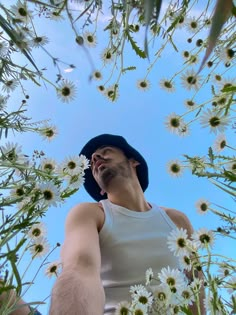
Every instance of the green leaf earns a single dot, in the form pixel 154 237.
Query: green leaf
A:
pixel 129 69
pixel 222 12
pixel 138 51
pixel 229 89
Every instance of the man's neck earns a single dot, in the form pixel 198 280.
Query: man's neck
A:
pixel 129 197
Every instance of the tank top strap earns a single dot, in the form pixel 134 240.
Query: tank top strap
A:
pixel 108 222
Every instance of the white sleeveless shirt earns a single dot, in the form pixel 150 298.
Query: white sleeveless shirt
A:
pixel 131 242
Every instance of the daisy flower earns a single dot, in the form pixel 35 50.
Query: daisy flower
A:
pixel 143 85
pixel 84 162
pixel 39 247
pixel 162 296
pixel 48 165
pixel 224 271
pixel 39 41
pixel 142 296
pixel 66 91
pixel 48 132
pixel 226 54
pixel 174 168
pixel 123 308
pixel 167 85
pixel 97 75
pixel 186 54
pixel 177 242
pixel 71 165
pixel 173 278
pixel 220 143
pixel 3 48
pixel 12 152
pixel 37 230
pixel 232 166
pixel 190 104
pixel 203 238
pixel 193 60
pixel 202 206
pixel 112 93
pixel 90 39
pixel 183 130
pixel 18 192
pixel 139 309
pixel 53 269
pixel 173 122
pixel 3 101
pixel 74 181
pixel 185 262
pixel 149 276
pixel 190 80
pixel 50 194
pixel 101 89
pixel 56 16
pixel 186 296
pixel 107 56
pixel 193 25
pixel 21 12
pixel 227 82
pixel 9 85
pixel 215 120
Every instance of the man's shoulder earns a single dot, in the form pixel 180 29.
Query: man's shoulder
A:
pixel 179 218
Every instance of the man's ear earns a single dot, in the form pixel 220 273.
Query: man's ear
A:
pixel 134 162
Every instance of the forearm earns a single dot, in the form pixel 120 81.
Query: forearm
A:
pixel 77 294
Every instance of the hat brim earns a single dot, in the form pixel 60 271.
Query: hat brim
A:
pixel 92 145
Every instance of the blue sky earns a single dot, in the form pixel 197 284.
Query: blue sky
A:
pixel 136 115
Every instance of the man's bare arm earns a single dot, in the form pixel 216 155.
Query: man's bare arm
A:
pixel 78 290
pixel 181 220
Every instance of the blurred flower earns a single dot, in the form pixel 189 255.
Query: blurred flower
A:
pixel 48 165
pixel 193 25
pixel 185 262
pixel 187 296
pixel 53 269
pixel 39 41
pixel 149 276
pixel 215 120
pixel 71 165
pixel 39 247
pixel 232 166
pixel 97 75
pixel 112 93
pixel 21 12
pixel 141 296
pixel 123 308
pixel 175 168
pixel 50 194
pixel 162 296
pixel 12 152
pixel 190 80
pixel 231 284
pixel 84 162
pixel 9 85
pixel 48 132
pixel 203 238
pixel 140 309
pixel 220 143
pixel 167 85
pixel 90 39
pixel 226 54
pixel 107 56
pixel 173 278
pixel 190 104
pixel 177 242
pixel 66 91
pixel 202 206
pixel 3 48
pixel 37 230
pixel 17 191
pixel 143 85
pixel 74 181
pixel 173 122
pixel 183 130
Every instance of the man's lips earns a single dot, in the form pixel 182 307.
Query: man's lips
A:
pixel 98 164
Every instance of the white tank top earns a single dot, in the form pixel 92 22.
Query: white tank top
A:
pixel 131 242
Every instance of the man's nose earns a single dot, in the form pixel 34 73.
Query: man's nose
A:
pixel 96 156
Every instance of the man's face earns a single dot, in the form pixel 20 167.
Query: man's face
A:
pixel 107 163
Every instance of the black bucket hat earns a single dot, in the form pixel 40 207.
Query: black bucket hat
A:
pixel 90 184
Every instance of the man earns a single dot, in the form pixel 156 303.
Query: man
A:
pixel 110 244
